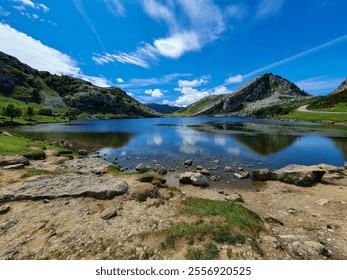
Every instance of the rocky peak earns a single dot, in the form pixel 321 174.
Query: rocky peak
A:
pixel 341 88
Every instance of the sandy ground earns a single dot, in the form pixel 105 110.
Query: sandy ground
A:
pixel 72 228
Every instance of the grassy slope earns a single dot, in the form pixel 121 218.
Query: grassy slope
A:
pixel 196 107
pixel 314 117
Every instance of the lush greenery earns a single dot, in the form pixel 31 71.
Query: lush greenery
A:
pixel 331 102
pixel 315 117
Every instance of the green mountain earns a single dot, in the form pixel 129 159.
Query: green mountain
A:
pixel 264 91
pixel 163 108
pixel 65 93
pixel 336 101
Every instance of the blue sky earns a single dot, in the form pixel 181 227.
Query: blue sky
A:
pixel 176 52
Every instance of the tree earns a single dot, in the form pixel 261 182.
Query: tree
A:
pixel 12 112
pixel 30 112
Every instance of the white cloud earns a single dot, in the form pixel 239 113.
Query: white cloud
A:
pixel 268 8
pixel 220 90
pixel 40 56
pixel 236 11
pixel 155 93
pixel 189 96
pixel 175 46
pixel 164 80
pixel 166 102
pixel 234 79
pixel 115 7
pixel 30 4
pixel 120 80
pixel 35 16
pixel 193 83
pixel 191 26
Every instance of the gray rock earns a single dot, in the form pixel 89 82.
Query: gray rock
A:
pixel 236 198
pixel 13 160
pixel 198 179
pixel 299 175
pixel 215 178
pixel 322 201
pixel 188 162
pixel 162 171
pixel 228 169
pixel 272 220
pixel 185 177
pixel 14 167
pixel 205 172
pixel 5 209
pixel 241 176
pixel 108 213
pixel 240 169
pixel 216 161
pixel 198 168
pixel 143 191
pixel 68 185
pixel 86 165
pixel 82 152
pixel 142 168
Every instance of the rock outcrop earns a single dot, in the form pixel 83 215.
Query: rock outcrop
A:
pixel 299 175
pixel 69 185
pixel 13 160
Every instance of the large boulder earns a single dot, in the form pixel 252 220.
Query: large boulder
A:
pixel 13 160
pixel 86 165
pixel 299 175
pixel 142 168
pixel 68 185
pixel 195 179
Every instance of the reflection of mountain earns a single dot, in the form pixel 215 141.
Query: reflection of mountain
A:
pixel 85 139
pixel 341 143
pixel 265 144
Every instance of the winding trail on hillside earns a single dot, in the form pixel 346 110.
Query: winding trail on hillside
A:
pixel 305 110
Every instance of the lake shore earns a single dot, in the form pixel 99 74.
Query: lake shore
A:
pixel 152 220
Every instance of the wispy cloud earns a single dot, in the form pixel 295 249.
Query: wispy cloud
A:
pixel 191 26
pixel 41 57
pixel 4 13
pixel 115 7
pixel 319 85
pixel 80 8
pixel 150 82
pixel 268 8
pixel 297 56
pixel 23 4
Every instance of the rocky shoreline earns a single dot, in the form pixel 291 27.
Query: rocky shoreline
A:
pixel 64 208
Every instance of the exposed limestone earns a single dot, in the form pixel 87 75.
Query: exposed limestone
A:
pixel 299 175
pixel 14 167
pixel 108 213
pixel 86 165
pixel 68 185
pixel 13 160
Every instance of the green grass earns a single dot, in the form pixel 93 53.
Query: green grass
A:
pixel 30 172
pixel 4 101
pixel 17 145
pixel 231 224
pixel 339 107
pixel 315 117
pixel 209 252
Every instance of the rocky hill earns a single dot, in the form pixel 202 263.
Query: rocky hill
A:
pixel 21 82
pixel 265 90
pixel 163 108
pixel 341 88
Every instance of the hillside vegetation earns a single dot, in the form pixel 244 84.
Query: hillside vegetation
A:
pixel 64 95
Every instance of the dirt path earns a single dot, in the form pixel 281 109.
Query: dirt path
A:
pixel 305 110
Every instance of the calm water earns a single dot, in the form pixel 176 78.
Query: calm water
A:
pixel 233 141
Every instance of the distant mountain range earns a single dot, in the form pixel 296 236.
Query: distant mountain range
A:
pixel 265 90
pixel 21 82
pixel 163 108
pixel 342 88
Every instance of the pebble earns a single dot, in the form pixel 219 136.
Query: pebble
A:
pixel 322 201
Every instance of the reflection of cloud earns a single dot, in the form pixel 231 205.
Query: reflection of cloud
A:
pixel 190 139
pixel 123 153
pixel 156 140
pixel 234 151
pixel 220 140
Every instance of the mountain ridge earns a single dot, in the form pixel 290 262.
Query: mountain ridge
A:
pixel 263 91
pixel 21 82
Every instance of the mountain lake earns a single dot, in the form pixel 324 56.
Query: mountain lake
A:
pixel 247 143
